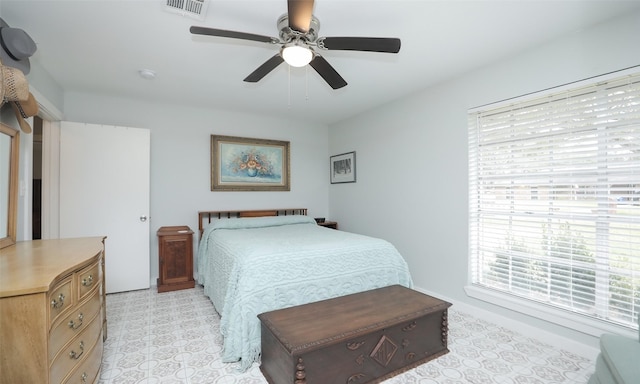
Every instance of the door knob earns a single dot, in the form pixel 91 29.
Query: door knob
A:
pixel 143 218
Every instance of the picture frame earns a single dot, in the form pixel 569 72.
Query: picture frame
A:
pixel 247 164
pixel 343 168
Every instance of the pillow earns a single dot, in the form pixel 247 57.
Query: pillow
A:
pixel 259 222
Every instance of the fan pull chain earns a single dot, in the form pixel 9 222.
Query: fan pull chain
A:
pixel 289 82
pixel 306 82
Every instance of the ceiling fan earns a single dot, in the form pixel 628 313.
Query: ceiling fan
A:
pixel 299 42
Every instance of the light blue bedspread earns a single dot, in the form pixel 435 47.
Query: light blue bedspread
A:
pixel 254 265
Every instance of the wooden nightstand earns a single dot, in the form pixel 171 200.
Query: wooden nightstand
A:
pixel 329 224
pixel 176 258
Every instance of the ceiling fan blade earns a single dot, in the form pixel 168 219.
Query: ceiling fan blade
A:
pixel 370 44
pixel 300 12
pixel 265 68
pixel 327 72
pixel 231 34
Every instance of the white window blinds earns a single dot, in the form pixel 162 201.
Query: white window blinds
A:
pixel 554 199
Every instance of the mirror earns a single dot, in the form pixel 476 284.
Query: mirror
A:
pixel 9 148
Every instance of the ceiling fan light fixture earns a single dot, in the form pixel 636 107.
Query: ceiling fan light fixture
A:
pixel 296 55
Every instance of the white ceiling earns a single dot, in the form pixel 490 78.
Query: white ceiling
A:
pixel 98 46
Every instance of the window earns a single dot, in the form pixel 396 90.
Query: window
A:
pixel 554 199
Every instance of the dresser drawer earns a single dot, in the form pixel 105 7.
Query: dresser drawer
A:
pixel 74 323
pixel 88 370
pixel 60 299
pixel 87 279
pixel 76 351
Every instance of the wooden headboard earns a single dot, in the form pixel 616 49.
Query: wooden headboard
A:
pixel 206 217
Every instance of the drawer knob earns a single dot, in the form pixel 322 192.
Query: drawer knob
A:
pixel 87 281
pixel 73 325
pixel 58 303
pixel 74 355
pixel 84 376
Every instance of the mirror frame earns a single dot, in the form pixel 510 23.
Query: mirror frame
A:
pixel 14 157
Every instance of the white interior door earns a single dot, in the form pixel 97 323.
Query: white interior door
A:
pixel 104 190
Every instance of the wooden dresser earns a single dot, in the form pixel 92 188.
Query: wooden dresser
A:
pixel 52 311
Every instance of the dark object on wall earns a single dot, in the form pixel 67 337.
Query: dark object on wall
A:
pixel 36 210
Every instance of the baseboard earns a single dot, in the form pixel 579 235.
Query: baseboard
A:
pixel 540 334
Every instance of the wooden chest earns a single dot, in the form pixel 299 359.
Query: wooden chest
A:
pixel 361 338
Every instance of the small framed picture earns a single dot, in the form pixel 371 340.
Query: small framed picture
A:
pixel 343 168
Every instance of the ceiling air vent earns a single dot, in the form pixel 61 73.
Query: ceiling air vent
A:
pixel 192 8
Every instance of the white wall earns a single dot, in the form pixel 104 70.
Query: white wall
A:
pixel 180 158
pixel 411 155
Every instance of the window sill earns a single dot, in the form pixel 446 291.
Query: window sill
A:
pixel 560 317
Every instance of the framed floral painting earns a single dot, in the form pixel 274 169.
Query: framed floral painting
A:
pixel 343 168
pixel 244 164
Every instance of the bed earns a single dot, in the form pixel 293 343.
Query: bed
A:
pixel 251 262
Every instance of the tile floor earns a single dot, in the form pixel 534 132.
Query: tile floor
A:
pixel 174 337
